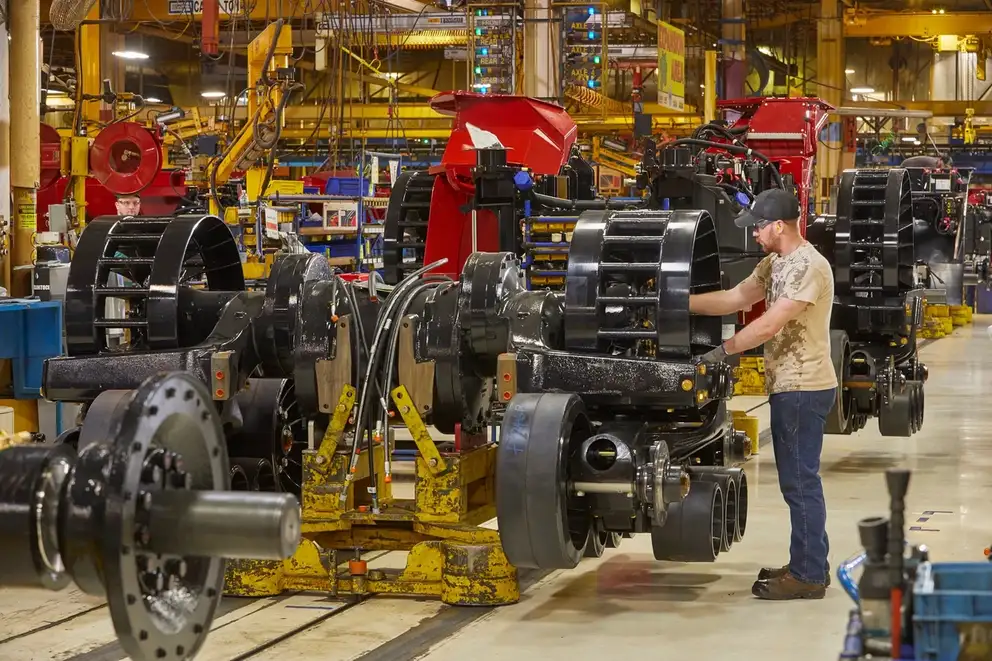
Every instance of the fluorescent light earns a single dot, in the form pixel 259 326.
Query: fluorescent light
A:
pixel 213 94
pixel 55 93
pixel 131 55
pixel 862 90
pixel 848 71
pixel 152 99
pixel 908 138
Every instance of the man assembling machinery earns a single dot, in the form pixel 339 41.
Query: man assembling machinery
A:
pixel 797 285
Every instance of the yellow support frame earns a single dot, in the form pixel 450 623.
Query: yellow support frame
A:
pixel 450 556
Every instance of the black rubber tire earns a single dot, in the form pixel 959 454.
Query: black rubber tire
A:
pixel 694 529
pixel 537 529
pixel 897 419
pixel 839 418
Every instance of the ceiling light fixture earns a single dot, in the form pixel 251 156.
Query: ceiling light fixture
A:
pixel 862 90
pixel 848 71
pixel 213 94
pixel 131 55
pixel 152 99
pixel 908 138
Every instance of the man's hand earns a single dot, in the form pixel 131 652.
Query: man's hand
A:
pixel 714 355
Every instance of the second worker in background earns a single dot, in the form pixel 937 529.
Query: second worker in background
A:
pixel 797 285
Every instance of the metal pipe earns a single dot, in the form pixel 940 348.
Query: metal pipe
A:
pixel 25 146
pixel 224 524
pixel 603 487
pixel 709 87
pixel 90 85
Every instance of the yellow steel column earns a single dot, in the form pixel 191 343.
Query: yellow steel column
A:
pixel 709 87
pixel 540 41
pixel 831 84
pixel 89 83
pixel 25 147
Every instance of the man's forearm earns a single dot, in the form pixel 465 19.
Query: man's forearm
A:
pixel 714 303
pixel 753 335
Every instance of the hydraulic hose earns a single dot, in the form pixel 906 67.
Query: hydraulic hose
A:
pixel 732 148
pixel 845 578
pixel 393 349
pixel 581 205
pixel 372 368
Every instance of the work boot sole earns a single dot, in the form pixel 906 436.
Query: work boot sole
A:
pixel 768 573
pixel 761 590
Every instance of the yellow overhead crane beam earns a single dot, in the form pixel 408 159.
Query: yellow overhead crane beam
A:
pixel 915 24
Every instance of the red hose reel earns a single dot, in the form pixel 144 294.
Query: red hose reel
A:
pixel 125 158
pixel 51 156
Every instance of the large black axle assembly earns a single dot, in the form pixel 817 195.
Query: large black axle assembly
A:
pixel 612 425
pixel 135 508
pixel 877 307
pixel 609 368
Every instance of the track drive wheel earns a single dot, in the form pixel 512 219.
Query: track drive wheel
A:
pixel 695 528
pixel 541 525
pixel 918 404
pixel 839 418
pixel 898 419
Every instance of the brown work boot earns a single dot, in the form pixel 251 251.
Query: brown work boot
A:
pixel 787 586
pixel 775 572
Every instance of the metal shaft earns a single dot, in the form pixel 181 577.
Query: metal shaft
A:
pixel 224 524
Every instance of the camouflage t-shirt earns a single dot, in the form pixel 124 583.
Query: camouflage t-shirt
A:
pixel 798 357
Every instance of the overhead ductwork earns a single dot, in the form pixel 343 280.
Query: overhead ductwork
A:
pixel 66 15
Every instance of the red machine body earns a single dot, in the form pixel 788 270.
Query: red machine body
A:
pixel 538 136
pixel 786 130
pixel 125 158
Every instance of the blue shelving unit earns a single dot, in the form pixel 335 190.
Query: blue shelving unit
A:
pixel 30 332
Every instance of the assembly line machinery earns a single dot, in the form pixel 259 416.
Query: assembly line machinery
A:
pixel 719 169
pixel 871 244
pixel 460 355
pixel 609 422
pixel 135 508
pixel 610 425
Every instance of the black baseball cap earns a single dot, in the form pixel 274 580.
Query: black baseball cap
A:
pixel 769 206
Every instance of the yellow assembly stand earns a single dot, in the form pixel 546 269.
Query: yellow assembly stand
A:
pixel 749 377
pixel 749 425
pixel 450 556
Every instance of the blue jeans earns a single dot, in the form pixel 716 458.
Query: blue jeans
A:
pixel 797 421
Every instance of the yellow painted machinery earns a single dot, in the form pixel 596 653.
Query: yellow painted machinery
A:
pixel 271 76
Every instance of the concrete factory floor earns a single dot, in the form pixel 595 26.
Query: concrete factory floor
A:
pixel 625 603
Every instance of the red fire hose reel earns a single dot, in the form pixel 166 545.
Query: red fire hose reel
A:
pixel 51 156
pixel 125 158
